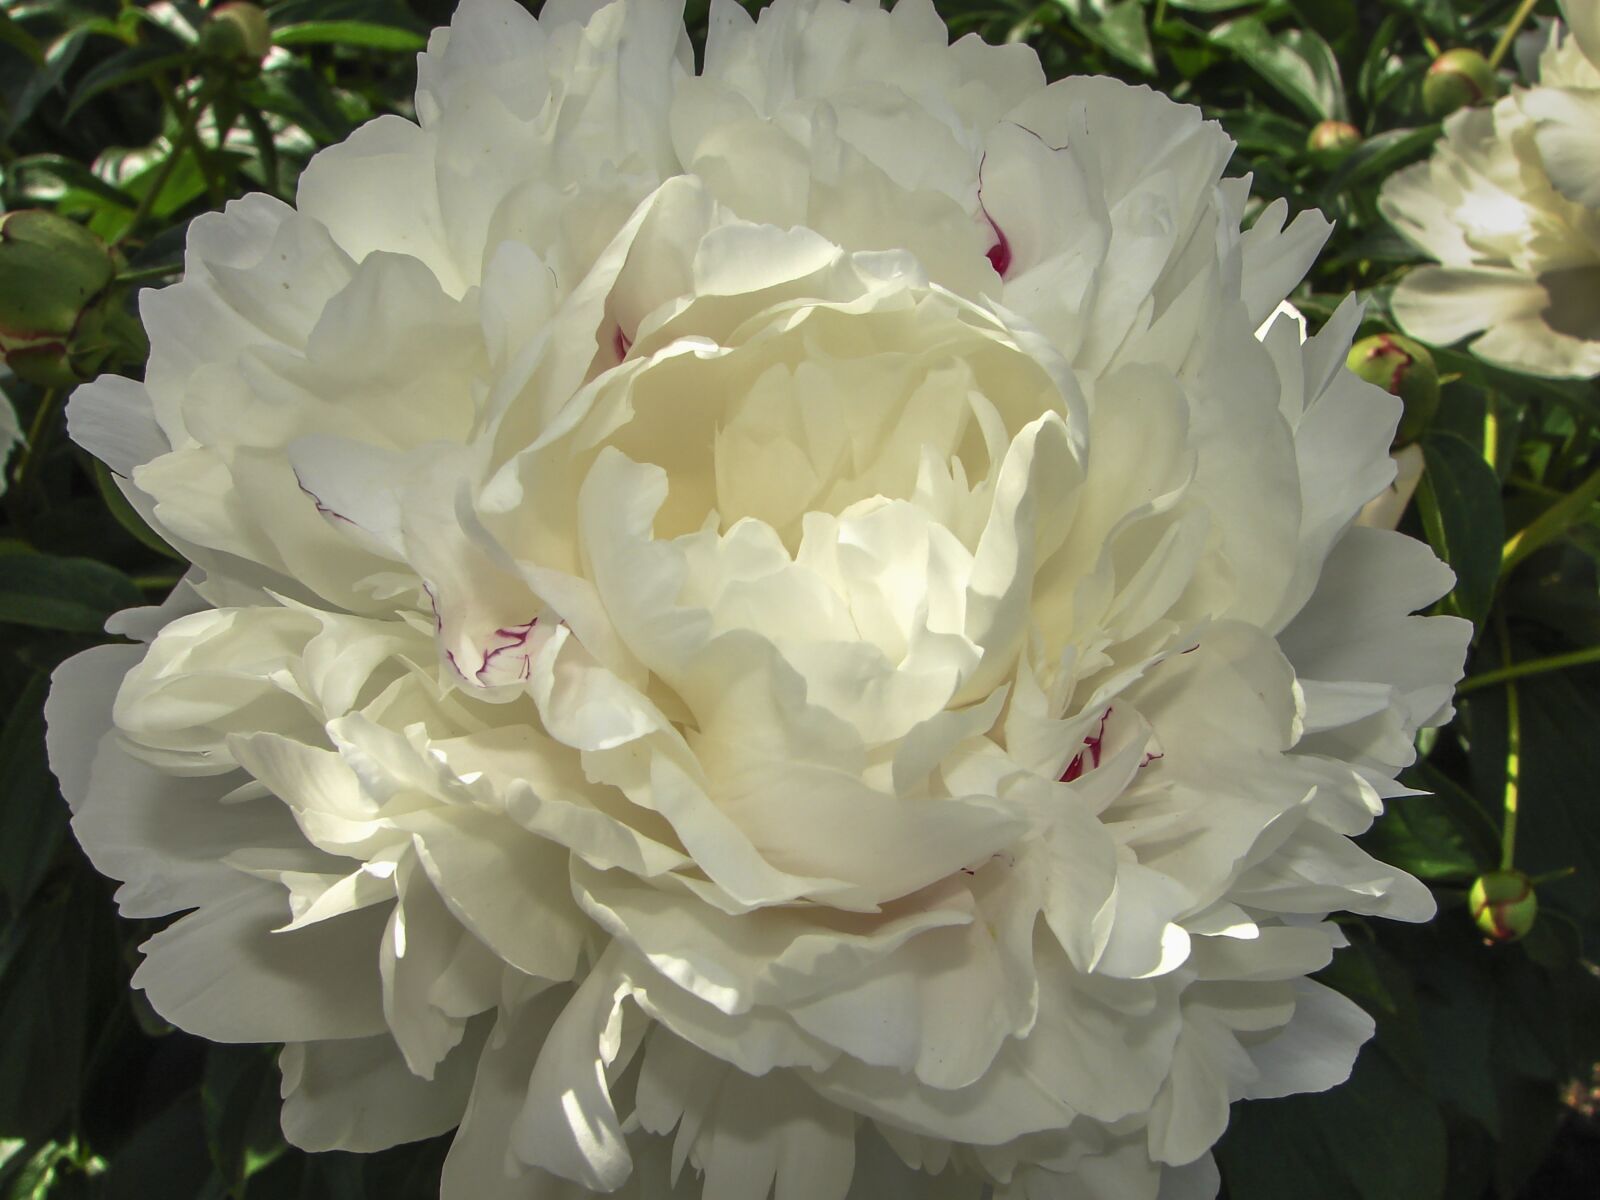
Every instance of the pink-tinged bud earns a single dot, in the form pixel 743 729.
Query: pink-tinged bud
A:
pixel 1457 79
pixel 1402 367
pixel 53 273
pixel 1503 905
pixel 1329 136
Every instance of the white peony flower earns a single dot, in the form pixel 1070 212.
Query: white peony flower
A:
pixel 769 628
pixel 1509 205
pixel 10 437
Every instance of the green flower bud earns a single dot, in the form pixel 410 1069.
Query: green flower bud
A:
pixel 1333 135
pixel 237 32
pixel 1503 905
pixel 1457 79
pixel 52 272
pixel 1402 368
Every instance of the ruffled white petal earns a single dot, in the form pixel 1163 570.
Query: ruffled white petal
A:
pixel 692 568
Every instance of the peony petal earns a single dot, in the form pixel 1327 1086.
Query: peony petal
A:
pixel 509 888
pixel 359 1095
pixel 224 973
pixel 1316 1050
pixel 567 1124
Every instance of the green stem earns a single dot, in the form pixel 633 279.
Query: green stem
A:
pixel 188 119
pixel 163 581
pixel 214 174
pixel 1510 35
pixel 1551 523
pixel 145 274
pixel 37 437
pixel 1491 432
pixel 1161 13
pixel 1533 666
pixel 1508 830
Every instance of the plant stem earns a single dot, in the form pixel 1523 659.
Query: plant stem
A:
pixel 145 274
pixel 1508 829
pixel 1161 13
pixel 157 582
pixel 1551 523
pixel 34 444
pixel 1510 35
pixel 188 119
pixel 1491 433
pixel 1533 666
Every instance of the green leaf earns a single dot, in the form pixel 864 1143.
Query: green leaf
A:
pixel 186 183
pixel 1459 500
pixel 1261 131
pixel 1334 20
pixel 46 177
pixel 1444 835
pixel 1117 25
pixel 1439 16
pixel 1577 396
pixel 1380 155
pixel 1456 1010
pixel 407 1172
pixel 59 58
pixel 19 39
pixel 303 96
pixel 1380 65
pixel 33 817
pixel 1559 822
pixel 128 66
pixel 74 595
pixel 239 1097
pixel 37 1178
pixel 1377 1137
pixel 47 1007
pixel 1299 63
pixel 166 1157
pixel 1533 1112
pixel 358 34
pixel 127 516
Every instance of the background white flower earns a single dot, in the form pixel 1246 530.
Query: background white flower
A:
pixel 777 624
pixel 10 437
pixel 1509 205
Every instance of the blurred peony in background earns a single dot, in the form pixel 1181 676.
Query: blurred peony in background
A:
pixel 777 605
pixel 1509 204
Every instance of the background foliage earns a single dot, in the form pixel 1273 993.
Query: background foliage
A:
pixel 129 119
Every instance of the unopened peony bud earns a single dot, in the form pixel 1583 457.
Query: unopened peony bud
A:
pixel 52 271
pixel 1333 135
pixel 1503 905
pixel 238 33
pixel 1456 79
pixel 1403 368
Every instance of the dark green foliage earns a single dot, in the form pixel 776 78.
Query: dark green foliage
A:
pixel 1459 1097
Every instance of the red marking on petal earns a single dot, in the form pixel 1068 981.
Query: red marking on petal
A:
pixel 1093 743
pixel 1074 769
pixel 433 603
pixel 1148 759
pixel 317 500
pixel 999 254
pixel 515 636
pixel 621 343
